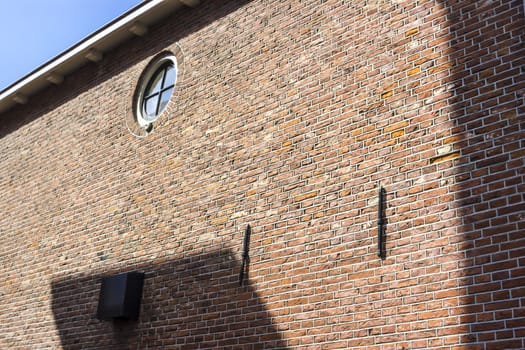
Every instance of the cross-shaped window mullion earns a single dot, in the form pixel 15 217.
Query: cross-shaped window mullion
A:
pixel 158 92
pixel 159 98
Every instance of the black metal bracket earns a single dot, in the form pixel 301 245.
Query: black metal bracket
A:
pixel 245 257
pixel 381 224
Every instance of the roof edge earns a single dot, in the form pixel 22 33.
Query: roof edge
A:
pixel 87 50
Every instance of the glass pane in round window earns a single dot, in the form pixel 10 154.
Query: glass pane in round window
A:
pixel 165 98
pixel 154 85
pixel 171 75
pixel 150 108
pixel 158 91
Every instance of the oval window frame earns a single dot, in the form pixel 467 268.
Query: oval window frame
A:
pixel 146 81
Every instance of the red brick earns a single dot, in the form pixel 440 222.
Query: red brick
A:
pixel 289 117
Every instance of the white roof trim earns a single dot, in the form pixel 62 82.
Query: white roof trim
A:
pixel 108 36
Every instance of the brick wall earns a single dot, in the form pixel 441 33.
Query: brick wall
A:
pixel 289 117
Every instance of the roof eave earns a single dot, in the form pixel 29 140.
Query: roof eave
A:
pixel 91 48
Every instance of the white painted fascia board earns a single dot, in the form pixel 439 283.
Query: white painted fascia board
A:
pixel 82 47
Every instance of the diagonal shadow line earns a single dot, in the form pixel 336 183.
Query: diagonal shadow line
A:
pixel 487 108
pixel 191 303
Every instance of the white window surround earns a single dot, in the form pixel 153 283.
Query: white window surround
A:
pixel 145 121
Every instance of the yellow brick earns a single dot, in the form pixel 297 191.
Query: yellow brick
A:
pixel 444 157
pixel 305 196
pixel 290 123
pixel 267 241
pixel 111 209
pixel 396 126
pixel 212 187
pixel 357 132
pixel 414 71
pixel 387 94
pixel 398 133
pixel 139 199
pixel 219 221
pixel 412 31
pixel 344 193
pixel 292 92
pixel 452 139
pixel 306 218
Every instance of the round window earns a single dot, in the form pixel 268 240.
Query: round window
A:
pixel 156 92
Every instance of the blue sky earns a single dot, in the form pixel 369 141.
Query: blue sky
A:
pixel 34 31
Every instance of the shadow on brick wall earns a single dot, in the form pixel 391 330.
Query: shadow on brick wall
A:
pixel 193 303
pixel 486 60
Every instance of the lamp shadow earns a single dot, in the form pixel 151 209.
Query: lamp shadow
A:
pixel 192 303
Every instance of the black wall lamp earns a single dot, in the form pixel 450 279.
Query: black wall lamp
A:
pixel 120 296
pixel 381 251
pixel 245 257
